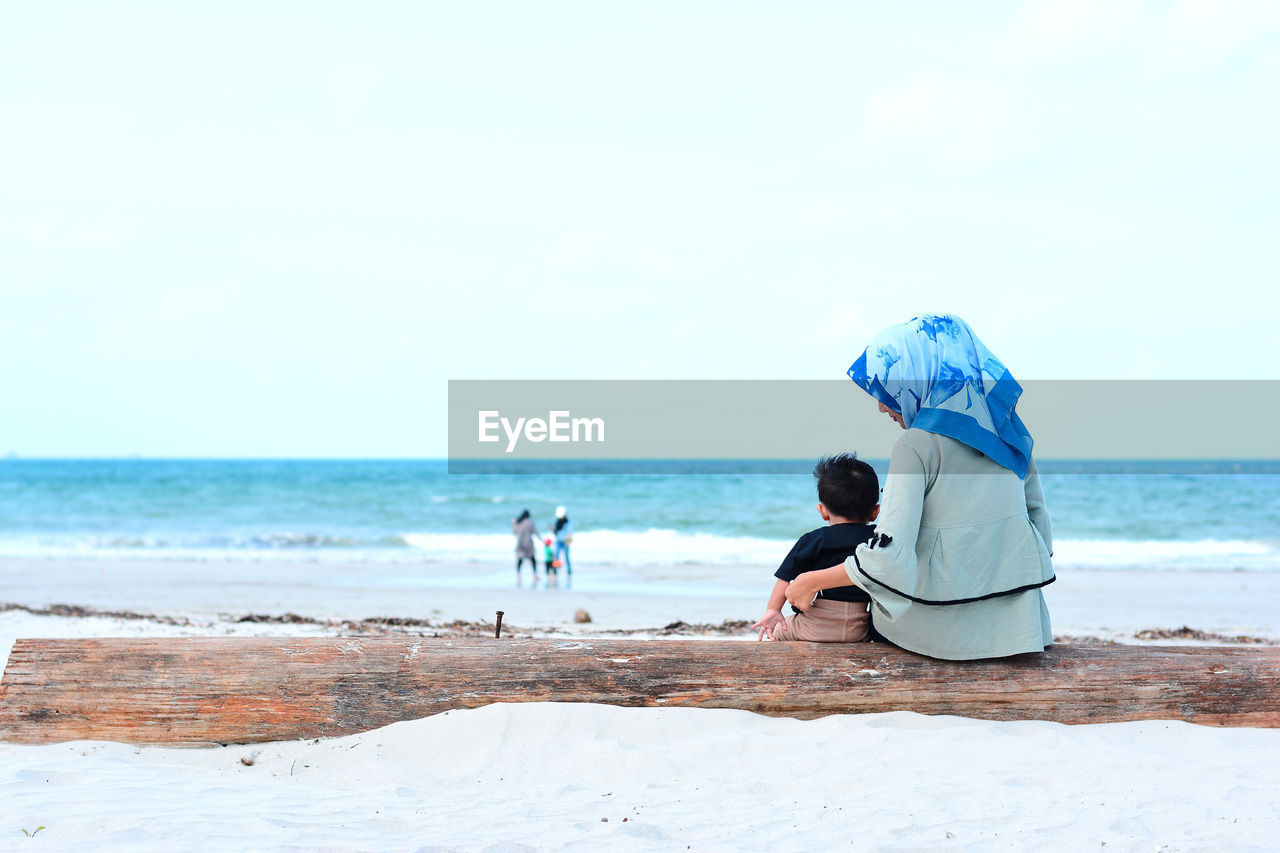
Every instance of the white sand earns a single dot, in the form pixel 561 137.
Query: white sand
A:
pixel 543 776
pixel 547 776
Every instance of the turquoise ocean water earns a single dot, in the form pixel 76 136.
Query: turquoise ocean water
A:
pixel 1167 516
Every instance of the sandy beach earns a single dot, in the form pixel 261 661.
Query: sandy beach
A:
pixel 317 321
pixel 544 776
pixel 591 777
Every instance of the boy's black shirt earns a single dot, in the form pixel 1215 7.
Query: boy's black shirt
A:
pixel 823 548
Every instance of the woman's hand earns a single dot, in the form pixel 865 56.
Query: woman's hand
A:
pixel 769 622
pixel 805 588
pixel 802 591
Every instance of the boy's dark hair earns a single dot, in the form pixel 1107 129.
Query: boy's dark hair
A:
pixel 847 486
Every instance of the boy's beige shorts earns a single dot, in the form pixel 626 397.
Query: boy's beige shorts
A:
pixel 828 622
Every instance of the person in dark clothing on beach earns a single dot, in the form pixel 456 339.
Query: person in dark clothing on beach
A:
pixel 526 533
pixel 564 537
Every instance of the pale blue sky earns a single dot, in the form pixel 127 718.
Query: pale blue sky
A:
pixel 227 232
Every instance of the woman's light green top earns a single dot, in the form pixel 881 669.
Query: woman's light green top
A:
pixel 970 544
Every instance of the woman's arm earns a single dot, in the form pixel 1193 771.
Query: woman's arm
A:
pixel 805 588
pixel 1036 509
pixel 888 562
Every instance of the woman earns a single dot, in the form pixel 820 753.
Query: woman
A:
pixel 525 533
pixel 963 540
pixel 564 538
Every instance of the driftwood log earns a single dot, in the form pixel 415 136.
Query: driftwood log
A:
pixel 244 690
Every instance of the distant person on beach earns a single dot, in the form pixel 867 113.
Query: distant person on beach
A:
pixel 526 533
pixel 848 495
pixel 961 551
pixel 552 564
pixel 564 538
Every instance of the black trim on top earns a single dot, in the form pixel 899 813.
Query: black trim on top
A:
pixel 1014 591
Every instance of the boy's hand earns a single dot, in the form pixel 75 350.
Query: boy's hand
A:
pixel 801 593
pixel 769 622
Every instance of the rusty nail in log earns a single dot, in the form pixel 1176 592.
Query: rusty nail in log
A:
pixel 497 628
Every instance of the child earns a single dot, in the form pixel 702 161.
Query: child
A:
pixel 848 495
pixel 552 564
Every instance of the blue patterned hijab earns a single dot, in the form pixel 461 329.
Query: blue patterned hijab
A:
pixel 935 372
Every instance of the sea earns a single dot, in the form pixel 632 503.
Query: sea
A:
pixel 1218 515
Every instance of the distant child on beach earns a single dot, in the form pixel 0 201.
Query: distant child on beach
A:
pixel 552 564
pixel 848 495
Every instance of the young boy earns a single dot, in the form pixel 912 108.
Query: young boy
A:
pixel 848 495
pixel 552 564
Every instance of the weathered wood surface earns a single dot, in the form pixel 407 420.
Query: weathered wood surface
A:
pixel 243 690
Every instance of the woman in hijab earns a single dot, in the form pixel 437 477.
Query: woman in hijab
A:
pixel 525 533
pixel 963 540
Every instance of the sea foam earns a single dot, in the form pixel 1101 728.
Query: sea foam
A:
pixel 656 547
